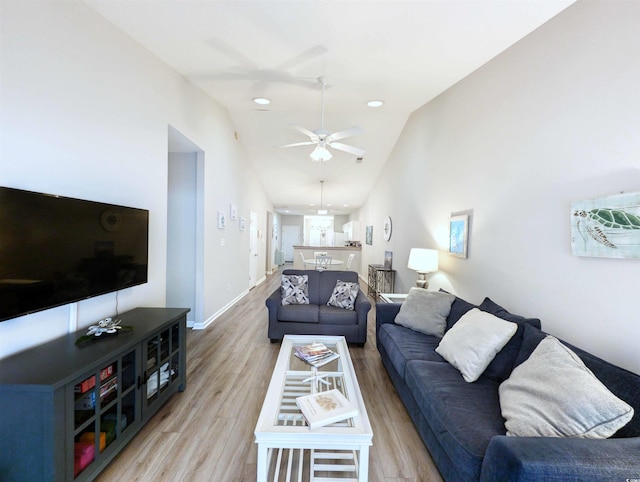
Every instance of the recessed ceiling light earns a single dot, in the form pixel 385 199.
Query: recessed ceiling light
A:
pixel 375 103
pixel 261 100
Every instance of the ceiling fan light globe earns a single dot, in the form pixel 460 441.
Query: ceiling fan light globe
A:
pixel 320 153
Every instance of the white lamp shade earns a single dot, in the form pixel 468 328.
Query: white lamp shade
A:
pixel 423 260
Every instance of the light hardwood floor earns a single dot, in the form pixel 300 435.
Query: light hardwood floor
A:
pixel 206 432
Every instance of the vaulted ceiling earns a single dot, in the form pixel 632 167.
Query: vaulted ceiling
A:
pixel 402 52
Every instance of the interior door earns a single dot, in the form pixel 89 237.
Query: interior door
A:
pixel 253 249
pixel 290 237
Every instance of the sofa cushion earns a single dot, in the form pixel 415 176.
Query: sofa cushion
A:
pixel 502 365
pixel 295 289
pixel 425 311
pixel 331 315
pixel 344 295
pixel 553 394
pixel 458 308
pixel 403 345
pixel 327 280
pixel 472 343
pixel 622 383
pixel 463 416
pixel 299 313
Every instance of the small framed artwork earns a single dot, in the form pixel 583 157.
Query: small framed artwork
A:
pixel 233 211
pixel 241 223
pixel 222 220
pixel 388 259
pixel 368 235
pixel 458 235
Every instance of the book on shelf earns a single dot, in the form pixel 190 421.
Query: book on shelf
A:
pixel 324 408
pixel 315 354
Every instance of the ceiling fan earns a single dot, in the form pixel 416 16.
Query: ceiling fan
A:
pixel 322 138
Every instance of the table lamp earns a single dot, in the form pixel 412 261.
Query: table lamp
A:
pixel 423 261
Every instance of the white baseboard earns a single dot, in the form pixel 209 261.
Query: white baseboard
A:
pixel 212 318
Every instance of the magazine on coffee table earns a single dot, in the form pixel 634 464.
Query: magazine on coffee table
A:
pixel 325 408
pixel 315 354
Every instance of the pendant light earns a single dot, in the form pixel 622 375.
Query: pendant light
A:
pixel 322 211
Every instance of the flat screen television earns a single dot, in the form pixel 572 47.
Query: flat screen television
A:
pixel 56 250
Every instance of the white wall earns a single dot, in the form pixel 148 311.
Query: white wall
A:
pixel 85 113
pixel 554 119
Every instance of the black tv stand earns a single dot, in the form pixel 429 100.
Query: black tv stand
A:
pixel 66 411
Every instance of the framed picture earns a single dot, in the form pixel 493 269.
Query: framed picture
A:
pixel 458 235
pixel 368 235
pixel 241 223
pixel 607 227
pixel 233 211
pixel 222 220
pixel 388 259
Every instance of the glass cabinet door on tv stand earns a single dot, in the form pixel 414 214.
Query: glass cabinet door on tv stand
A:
pixel 163 362
pixel 105 408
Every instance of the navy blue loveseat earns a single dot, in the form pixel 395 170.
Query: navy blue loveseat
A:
pixel 461 423
pixel 316 318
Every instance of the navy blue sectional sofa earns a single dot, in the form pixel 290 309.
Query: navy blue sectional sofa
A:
pixel 461 423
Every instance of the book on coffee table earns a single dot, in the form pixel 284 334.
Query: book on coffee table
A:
pixel 315 354
pixel 325 408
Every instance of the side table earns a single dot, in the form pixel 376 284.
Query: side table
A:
pixel 381 280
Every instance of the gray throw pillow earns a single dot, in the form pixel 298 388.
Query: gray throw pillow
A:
pixel 295 289
pixel 553 394
pixel 425 311
pixel 344 295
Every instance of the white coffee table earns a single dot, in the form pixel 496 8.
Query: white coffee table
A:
pixel 286 444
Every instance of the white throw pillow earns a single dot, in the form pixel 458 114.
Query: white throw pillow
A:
pixel 472 343
pixel 553 394
pixel 425 311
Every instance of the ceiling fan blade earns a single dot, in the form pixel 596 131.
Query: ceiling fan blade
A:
pixel 351 131
pixel 312 135
pixel 306 143
pixel 356 151
pixel 309 54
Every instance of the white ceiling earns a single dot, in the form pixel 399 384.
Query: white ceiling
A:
pixel 402 52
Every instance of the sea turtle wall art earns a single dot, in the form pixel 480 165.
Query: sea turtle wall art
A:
pixel 608 227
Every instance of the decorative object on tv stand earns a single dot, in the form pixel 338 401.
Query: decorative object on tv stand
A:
pixel 458 235
pixel 108 326
pixel 423 261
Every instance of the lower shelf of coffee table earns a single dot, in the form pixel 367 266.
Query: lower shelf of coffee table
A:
pixel 312 465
